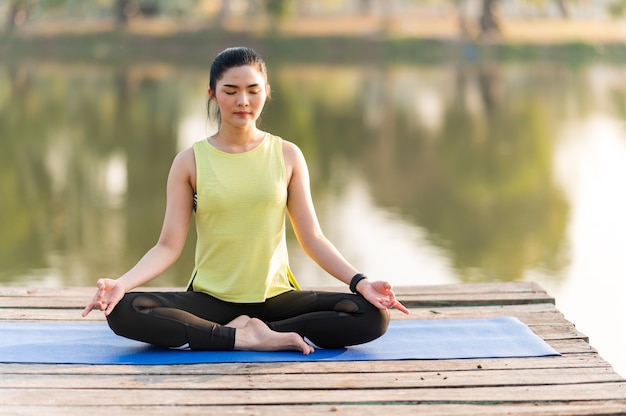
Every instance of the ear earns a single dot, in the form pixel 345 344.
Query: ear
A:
pixel 211 94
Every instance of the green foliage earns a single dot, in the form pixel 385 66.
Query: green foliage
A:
pixel 277 8
pixel 617 8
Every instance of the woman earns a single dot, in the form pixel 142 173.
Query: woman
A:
pixel 240 183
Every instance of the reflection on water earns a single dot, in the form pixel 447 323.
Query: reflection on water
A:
pixel 450 165
pixel 421 174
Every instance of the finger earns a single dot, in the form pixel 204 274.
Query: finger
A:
pixel 102 287
pixel 401 307
pixel 108 307
pixel 88 309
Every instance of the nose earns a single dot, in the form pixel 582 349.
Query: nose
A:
pixel 243 99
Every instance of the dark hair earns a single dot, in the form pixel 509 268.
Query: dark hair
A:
pixel 231 58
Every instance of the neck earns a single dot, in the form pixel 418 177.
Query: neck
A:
pixel 234 134
pixel 236 140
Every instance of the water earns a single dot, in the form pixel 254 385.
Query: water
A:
pixel 421 174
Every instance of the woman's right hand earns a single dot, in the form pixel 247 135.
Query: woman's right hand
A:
pixel 380 294
pixel 107 296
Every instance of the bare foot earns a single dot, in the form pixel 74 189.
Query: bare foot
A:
pixel 257 336
pixel 239 322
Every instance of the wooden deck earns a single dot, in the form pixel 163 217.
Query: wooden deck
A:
pixel 579 382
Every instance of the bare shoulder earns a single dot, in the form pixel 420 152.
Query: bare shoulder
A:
pixel 186 158
pixel 184 166
pixel 294 159
pixel 186 154
pixel 292 153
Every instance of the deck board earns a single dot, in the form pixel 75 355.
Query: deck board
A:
pixel 580 382
pixel 200 396
pixel 580 408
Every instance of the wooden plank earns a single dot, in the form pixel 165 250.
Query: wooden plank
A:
pixel 571 346
pixel 343 380
pixel 429 409
pixel 46 314
pixel 203 397
pixel 33 302
pixel 558 331
pixel 421 296
pixel 536 314
pixel 414 301
pixel 454 288
pixel 472 294
pixel 470 289
pixel 19 291
pixel 515 298
pixel 42 312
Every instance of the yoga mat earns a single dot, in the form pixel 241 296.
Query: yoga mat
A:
pixel 95 343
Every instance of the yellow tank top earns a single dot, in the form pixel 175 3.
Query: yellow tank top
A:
pixel 241 251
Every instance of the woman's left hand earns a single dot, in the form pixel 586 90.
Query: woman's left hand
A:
pixel 380 294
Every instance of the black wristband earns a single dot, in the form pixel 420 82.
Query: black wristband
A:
pixel 355 281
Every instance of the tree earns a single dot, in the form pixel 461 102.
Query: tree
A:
pixel 617 8
pixel 563 6
pixel 489 21
pixel 277 8
pixel 121 12
pixel 18 13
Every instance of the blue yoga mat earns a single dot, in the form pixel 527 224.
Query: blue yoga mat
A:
pixel 89 343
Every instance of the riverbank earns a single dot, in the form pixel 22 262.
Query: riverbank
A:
pixel 331 39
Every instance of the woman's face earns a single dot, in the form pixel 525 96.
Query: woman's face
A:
pixel 240 95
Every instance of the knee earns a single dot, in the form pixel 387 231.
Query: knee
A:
pixel 376 320
pixel 373 323
pixel 119 315
pixel 379 319
pixel 121 320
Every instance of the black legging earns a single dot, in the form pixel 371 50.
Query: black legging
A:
pixel 174 319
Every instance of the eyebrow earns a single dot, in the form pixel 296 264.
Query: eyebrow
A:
pixel 237 86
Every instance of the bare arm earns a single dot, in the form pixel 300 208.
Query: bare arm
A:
pixel 310 236
pixel 180 185
pixel 304 219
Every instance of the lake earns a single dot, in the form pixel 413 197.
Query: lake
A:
pixel 421 173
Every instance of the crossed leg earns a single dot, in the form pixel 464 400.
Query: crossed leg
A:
pixel 253 334
pixel 168 320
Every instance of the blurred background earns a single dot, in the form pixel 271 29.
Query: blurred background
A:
pixel 448 140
